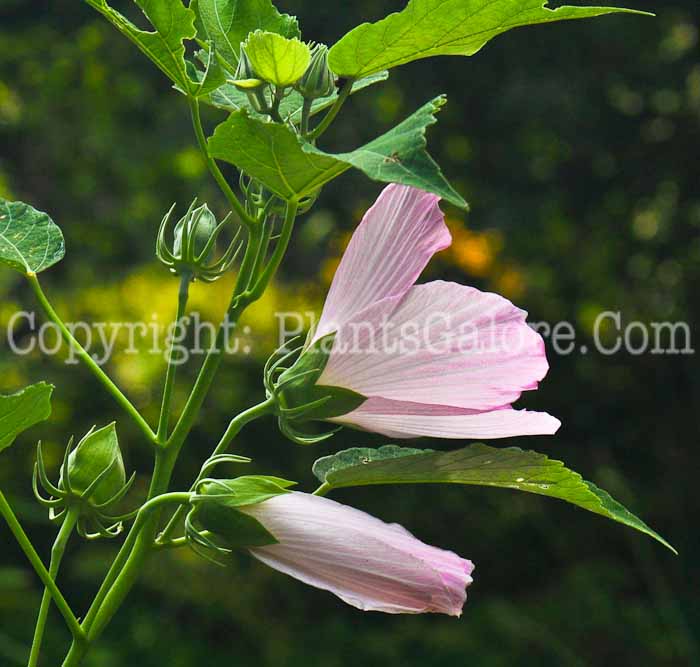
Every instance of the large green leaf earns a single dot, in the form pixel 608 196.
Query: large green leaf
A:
pixel 30 242
pixel 441 28
pixel 478 464
pixel 229 22
pixel 173 23
pixel 22 410
pixel 229 98
pixel 291 168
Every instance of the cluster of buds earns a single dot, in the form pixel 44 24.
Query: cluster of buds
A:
pixel 287 64
pixel 92 481
pixel 194 244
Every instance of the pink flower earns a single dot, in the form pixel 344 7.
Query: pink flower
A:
pixel 371 565
pixel 438 359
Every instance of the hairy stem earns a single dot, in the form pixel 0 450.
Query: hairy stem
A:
pixel 83 355
pixel 36 562
pixel 57 551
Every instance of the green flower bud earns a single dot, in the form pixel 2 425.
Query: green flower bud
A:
pixel 95 468
pixel 194 245
pixel 318 80
pixel 193 231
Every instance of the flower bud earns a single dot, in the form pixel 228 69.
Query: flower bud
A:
pixel 194 245
pixel 95 468
pixel 194 229
pixel 318 80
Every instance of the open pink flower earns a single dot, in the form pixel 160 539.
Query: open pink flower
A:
pixel 371 565
pixel 438 359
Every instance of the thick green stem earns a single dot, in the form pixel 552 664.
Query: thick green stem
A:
pixel 36 562
pixel 234 428
pixel 164 421
pixel 125 567
pixel 305 116
pixel 88 360
pixel 213 167
pixel 57 551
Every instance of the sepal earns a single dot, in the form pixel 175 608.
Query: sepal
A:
pixel 298 398
pixel 92 481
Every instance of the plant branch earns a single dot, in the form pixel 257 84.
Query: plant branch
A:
pixel 333 111
pixel 89 361
pixel 36 562
pixel 234 428
pixel 57 551
pixel 163 422
pixel 233 201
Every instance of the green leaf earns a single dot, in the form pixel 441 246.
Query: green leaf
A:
pixel 478 464
pixel 276 59
pixel 441 28
pixel 229 22
pixel 30 242
pixel 173 23
pixel 22 410
pixel 291 168
pixel 213 76
pixel 229 98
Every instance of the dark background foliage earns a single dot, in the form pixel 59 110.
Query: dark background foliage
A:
pixel 577 146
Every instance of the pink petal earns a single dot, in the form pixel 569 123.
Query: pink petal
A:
pixel 403 419
pixel 369 564
pixel 388 251
pixel 441 344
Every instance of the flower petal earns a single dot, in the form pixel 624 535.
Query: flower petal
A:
pixel 403 419
pixel 369 564
pixel 388 251
pixel 442 344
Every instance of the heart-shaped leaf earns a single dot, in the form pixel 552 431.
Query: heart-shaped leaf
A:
pixel 30 242
pixel 441 28
pixel 478 464
pixel 22 410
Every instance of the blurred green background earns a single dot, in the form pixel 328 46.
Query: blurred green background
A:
pixel 577 146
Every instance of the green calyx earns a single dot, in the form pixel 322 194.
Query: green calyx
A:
pixel 194 238
pixel 318 80
pixel 92 481
pixel 299 398
pixel 218 522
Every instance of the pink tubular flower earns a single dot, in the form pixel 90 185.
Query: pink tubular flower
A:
pixel 438 359
pixel 371 565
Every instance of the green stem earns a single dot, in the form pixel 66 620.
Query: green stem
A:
pixel 164 420
pixel 305 116
pixel 213 167
pixel 234 428
pixel 33 557
pixel 333 111
pixel 88 360
pixel 322 490
pixel 280 249
pixel 57 551
pixel 124 570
